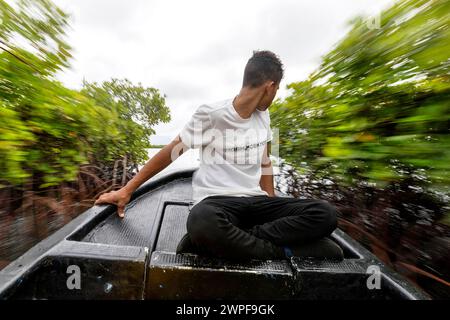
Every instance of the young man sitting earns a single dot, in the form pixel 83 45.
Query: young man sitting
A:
pixel 236 214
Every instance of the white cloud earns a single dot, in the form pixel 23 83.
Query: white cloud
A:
pixel 195 51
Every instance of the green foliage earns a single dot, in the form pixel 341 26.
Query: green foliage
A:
pixel 35 29
pixel 137 109
pixel 158 146
pixel 48 130
pixel 378 108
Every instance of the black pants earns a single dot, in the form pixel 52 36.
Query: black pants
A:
pixel 257 227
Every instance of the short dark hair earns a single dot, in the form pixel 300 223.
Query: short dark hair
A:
pixel 262 66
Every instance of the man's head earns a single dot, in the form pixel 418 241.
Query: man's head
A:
pixel 264 72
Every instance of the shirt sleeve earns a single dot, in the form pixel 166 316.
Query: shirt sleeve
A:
pixel 193 133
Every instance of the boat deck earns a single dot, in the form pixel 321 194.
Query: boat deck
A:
pixel 134 258
pixel 168 203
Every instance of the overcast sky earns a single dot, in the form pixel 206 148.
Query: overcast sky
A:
pixel 195 51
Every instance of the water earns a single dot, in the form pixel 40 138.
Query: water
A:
pixel 188 159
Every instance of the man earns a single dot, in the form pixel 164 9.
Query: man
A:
pixel 236 214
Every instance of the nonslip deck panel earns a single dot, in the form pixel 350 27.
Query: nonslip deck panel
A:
pixel 173 227
pixel 167 259
pixel 142 217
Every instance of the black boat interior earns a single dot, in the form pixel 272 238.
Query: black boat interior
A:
pixel 134 258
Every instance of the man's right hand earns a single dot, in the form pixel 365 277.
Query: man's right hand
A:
pixel 157 163
pixel 120 198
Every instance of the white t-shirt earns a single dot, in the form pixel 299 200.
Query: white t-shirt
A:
pixel 231 150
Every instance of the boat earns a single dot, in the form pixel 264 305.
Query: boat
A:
pixel 135 258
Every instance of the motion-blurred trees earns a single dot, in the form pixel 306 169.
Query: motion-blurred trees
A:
pixel 378 108
pixel 47 130
pixel 369 131
pixel 137 108
pixel 59 148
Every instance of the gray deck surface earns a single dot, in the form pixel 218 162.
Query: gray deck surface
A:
pixel 142 218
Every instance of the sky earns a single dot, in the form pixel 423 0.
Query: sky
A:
pixel 195 51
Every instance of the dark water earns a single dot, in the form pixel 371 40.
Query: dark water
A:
pixel 19 232
pixel 406 226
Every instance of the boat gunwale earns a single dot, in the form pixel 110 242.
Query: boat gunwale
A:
pixel 29 261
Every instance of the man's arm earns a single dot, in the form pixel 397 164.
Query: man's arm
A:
pixel 266 181
pixel 157 163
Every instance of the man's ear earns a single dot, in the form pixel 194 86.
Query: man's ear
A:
pixel 267 87
pixel 275 85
